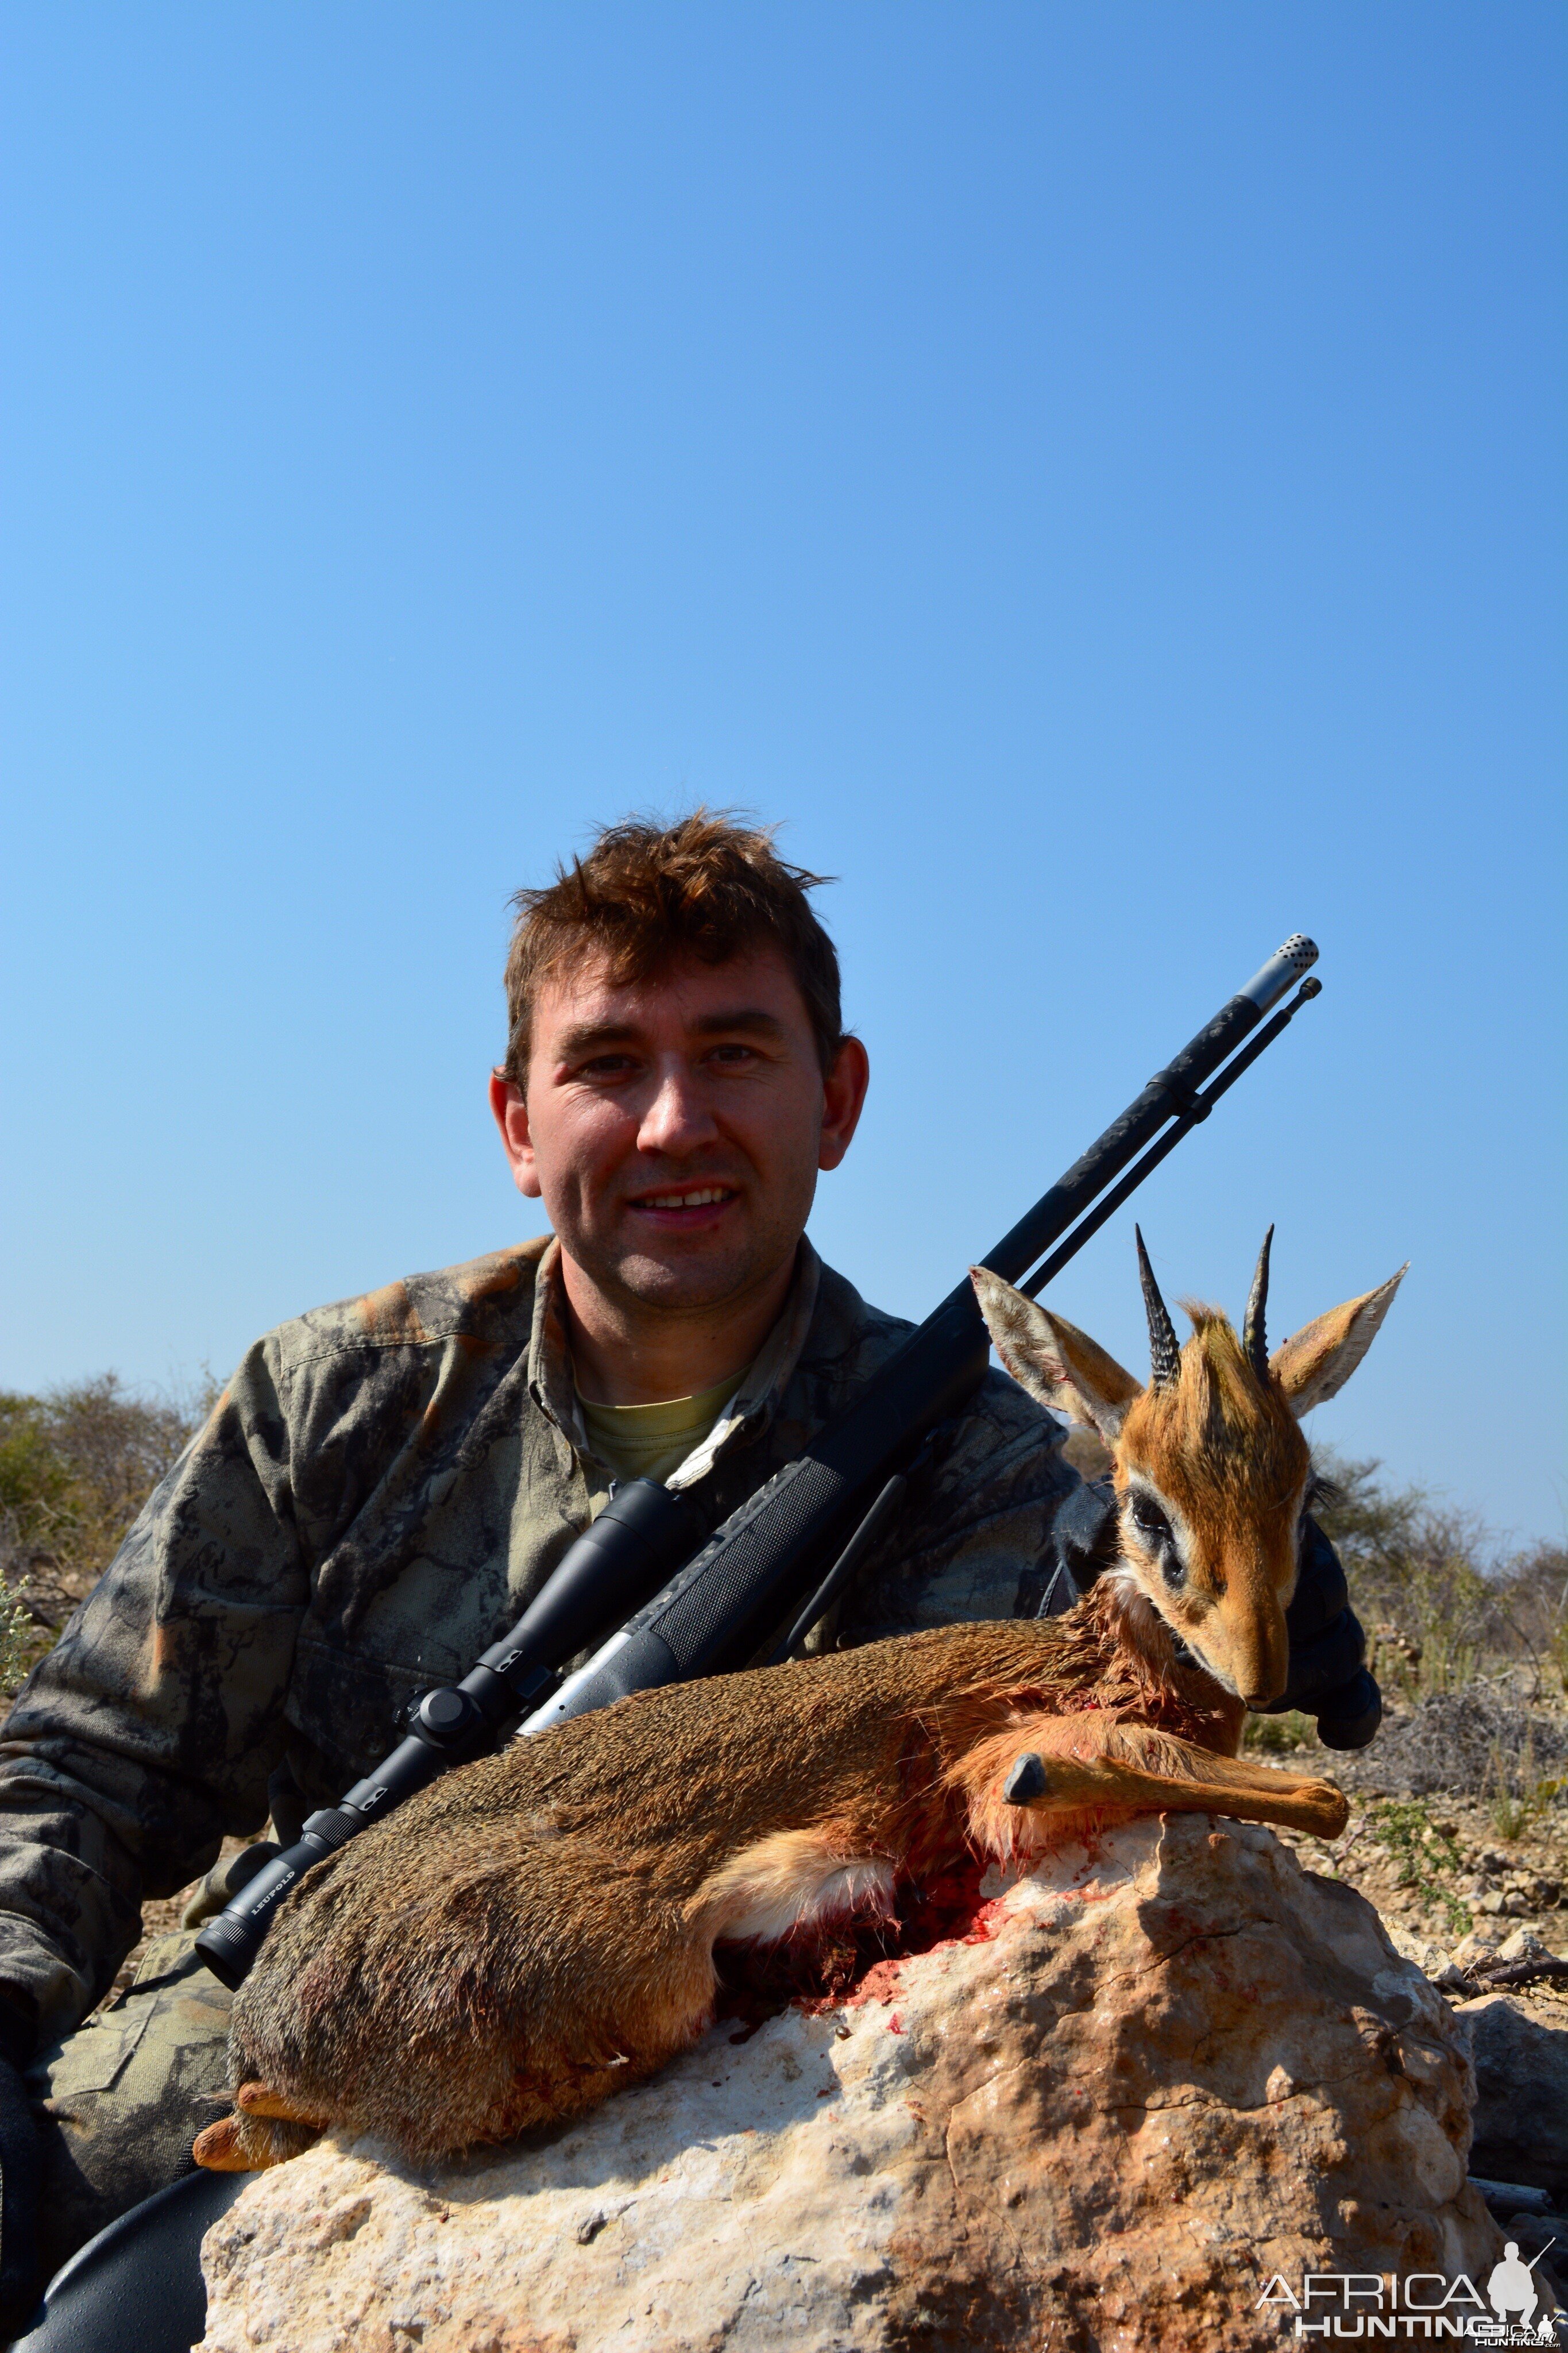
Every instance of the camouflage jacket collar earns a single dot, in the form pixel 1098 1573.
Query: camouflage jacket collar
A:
pixel 750 1411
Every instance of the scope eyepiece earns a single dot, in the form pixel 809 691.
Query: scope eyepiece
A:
pixel 228 1946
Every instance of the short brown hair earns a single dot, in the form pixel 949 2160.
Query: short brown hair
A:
pixel 645 893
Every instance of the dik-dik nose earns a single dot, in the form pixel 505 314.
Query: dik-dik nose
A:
pixel 1263 1661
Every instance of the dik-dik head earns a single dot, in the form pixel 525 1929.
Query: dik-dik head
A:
pixel 1211 1469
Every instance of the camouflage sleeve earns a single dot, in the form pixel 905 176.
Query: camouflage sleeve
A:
pixel 149 1730
pixel 975 1525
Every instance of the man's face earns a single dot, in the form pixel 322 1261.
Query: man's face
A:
pixel 674 1127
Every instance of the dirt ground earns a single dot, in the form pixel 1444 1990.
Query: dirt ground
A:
pixel 1439 1871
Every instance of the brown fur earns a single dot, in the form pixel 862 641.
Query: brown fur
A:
pixel 538 1930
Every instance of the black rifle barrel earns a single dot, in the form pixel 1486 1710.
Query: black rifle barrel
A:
pixel 1199 1109
pixel 757 1569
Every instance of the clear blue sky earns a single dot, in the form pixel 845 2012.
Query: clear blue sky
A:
pixel 1094 472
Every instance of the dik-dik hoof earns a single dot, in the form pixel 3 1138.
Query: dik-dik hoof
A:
pixel 221 2148
pixel 1025 1781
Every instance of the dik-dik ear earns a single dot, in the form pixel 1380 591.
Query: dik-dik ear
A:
pixel 1056 1363
pixel 1317 1361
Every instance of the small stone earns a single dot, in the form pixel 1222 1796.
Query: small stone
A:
pixel 1523 1944
pixel 1428 1958
pixel 1480 1945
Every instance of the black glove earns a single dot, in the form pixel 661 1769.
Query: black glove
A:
pixel 1328 1676
pixel 21 2167
pixel 1328 1651
pixel 1081 1543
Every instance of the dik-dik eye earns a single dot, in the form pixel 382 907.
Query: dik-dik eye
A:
pixel 1154 1530
pixel 1151 1524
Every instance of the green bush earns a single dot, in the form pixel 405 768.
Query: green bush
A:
pixel 1429 1858
pixel 1281 1736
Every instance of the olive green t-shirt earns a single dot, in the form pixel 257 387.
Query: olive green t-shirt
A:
pixel 649 1441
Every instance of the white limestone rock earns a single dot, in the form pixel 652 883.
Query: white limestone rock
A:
pixel 1150 2078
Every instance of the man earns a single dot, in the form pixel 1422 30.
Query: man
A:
pixel 385 1483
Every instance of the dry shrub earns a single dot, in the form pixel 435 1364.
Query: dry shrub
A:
pixel 76 1466
pixel 1444 1601
pixel 1470 1642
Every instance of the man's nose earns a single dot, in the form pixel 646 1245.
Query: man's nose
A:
pixel 678 1119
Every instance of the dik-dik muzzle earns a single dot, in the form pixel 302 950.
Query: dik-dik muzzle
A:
pixel 1222 1588
pixel 1211 1467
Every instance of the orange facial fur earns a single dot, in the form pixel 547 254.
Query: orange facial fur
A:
pixel 1222 1454
pixel 1210 1466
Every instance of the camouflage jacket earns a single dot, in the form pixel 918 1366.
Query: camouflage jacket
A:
pixel 379 1491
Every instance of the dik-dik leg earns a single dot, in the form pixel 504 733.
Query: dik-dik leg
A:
pixel 266 2129
pixel 1084 1766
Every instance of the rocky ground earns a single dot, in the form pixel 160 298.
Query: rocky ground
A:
pixel 1458 1832
pixel 1440 1870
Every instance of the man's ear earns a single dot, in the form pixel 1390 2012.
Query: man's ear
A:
pixel 509 1106
pixel 1058 1364
pixel 1317 1361
pixel 844 1098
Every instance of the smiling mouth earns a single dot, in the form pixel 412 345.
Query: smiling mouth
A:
pixel 697 1200
pixel 686 1203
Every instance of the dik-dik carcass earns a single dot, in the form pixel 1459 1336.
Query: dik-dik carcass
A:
pixel 538 1929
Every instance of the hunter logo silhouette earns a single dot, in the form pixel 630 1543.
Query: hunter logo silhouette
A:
pixel 1511 2287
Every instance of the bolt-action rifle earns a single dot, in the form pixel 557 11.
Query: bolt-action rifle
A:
pixel 721 1600
pixel 718 1598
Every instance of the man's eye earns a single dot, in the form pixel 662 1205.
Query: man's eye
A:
pixel 732 1056
pixel 606 1066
